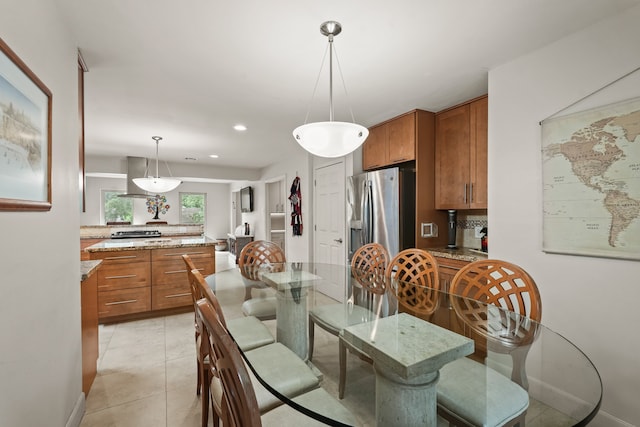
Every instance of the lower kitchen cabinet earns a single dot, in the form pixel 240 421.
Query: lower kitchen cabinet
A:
pixel 445 316
pixel 131 282
pixel 169 278
pixel 123 301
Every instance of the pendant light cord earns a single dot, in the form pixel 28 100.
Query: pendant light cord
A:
pixel 344 85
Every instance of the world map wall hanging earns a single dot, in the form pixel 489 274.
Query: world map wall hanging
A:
pixel 591 182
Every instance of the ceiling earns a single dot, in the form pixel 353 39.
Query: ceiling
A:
pixel 190 70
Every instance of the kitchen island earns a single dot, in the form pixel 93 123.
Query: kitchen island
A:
pixel 148 277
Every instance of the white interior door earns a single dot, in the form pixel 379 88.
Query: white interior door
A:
pixel 329 216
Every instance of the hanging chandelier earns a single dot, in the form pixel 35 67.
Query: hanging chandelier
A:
pixel 330 139
pixel 156 184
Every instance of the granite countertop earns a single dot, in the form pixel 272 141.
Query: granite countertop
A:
pixel 153 243
pixel 87 268
pixel 462 254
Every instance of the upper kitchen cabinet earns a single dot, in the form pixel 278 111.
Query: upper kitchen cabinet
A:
pixel 461 156
pixel 390 142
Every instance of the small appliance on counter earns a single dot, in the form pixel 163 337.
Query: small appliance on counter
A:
pixel 135 234
pixel 452 224
pixel 484 244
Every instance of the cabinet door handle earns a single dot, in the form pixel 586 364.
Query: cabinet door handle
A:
pixel 181 271
pixel 465 195
pixel 129 301
pixel 127 276
pixel 471 193
pixel 122 257
pixel 183 253
pixel 178 295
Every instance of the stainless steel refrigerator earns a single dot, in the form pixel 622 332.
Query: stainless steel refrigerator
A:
pixel 381 208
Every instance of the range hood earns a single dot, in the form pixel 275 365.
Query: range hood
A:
pixel 136 168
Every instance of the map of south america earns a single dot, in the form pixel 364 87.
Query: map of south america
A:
pixel 591 166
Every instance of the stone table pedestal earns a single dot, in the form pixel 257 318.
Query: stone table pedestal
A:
pixel 407 353
pixel 292 315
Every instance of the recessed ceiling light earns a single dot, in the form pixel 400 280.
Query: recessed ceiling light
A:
pixel 213 156
pixel 240 127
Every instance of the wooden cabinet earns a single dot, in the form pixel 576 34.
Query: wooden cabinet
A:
pixel 124 282
pixel 391 142
pixel 236 243
pixel 89 328
pixel 137 281
pixel 445 316
pixel 461 156
pixel 170 283
pixel 84 243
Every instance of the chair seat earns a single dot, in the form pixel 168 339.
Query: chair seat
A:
pixel 266 400
pixel 318 400
pixel 249 333
pixel 479 395
pixel 262 308
pixel 282 369
pixel 336 317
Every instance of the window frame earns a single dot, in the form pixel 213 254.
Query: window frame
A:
pixel 103 200
pixel 204 206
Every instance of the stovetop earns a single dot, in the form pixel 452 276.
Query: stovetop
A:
pixel 133 234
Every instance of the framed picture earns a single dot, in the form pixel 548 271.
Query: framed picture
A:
pixel 25 136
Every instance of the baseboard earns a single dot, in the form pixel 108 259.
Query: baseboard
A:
pixel 78 412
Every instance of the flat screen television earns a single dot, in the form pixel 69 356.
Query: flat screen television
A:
pixel 246 199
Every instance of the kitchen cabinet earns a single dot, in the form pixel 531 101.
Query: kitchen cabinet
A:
pixel 445 316
pixel 169 281
pixel 124 282
pixel 391 142
pixel 89 323
pixel 461 156
pixel 236 243
pixel 84 243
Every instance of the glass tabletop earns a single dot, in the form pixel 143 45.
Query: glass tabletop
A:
pixel 409 332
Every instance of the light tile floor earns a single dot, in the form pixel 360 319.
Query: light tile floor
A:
pixel 147 375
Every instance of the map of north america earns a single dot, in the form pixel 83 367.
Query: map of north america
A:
pixel 591 173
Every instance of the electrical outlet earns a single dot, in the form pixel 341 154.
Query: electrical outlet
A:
pixel 478 232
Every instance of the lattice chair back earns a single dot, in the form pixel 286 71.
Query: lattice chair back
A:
pixel 369 265
pixel 414 275
pixel 501 303
pixel 260 254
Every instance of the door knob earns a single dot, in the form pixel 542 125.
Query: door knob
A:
pixel 338 240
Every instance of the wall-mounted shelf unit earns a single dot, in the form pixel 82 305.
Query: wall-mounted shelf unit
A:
pixel 276 206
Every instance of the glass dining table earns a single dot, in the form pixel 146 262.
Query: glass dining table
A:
pixel 402 365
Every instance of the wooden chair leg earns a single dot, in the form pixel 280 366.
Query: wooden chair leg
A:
pixel 311 338
pixel 199 380
pixel 342 349
pixel 205 395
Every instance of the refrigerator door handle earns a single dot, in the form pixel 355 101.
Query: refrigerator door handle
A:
pixel 363 213
pixel 367 214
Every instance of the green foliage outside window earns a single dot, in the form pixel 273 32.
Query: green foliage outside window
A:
pixel 192 208
pixel 117 208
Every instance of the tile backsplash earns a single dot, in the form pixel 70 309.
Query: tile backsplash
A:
pixel 465 234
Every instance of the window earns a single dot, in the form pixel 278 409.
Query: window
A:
pixel 192 208
pixel 116 209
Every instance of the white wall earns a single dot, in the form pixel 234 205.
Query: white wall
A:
pixel 40 360
pixel 591 301
pixel 217 209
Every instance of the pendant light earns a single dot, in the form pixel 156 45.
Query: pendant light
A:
pixel 155 184
pixel 330 139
